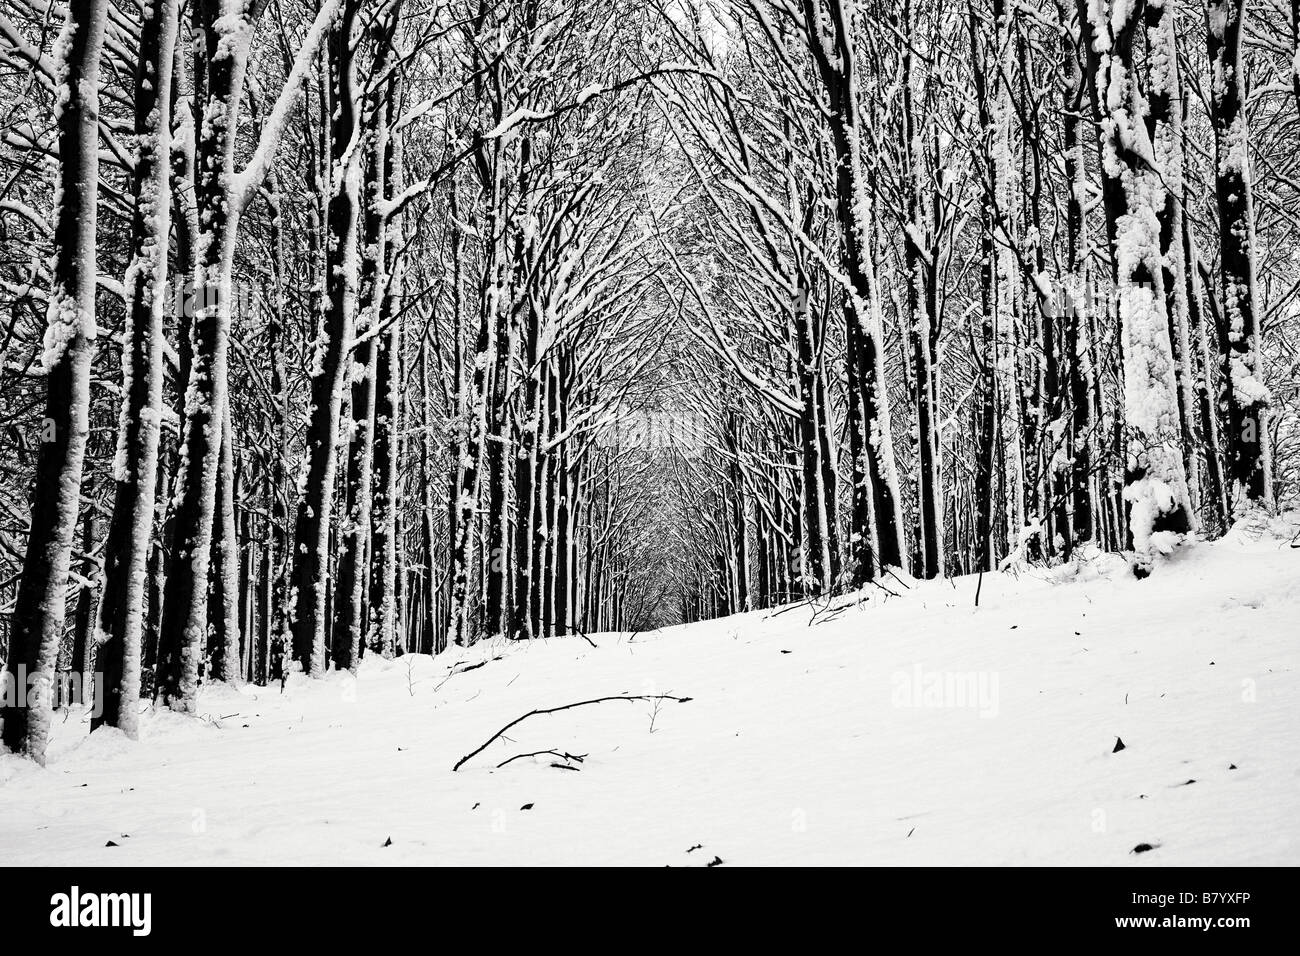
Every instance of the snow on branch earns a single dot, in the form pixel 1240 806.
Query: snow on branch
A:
pixel 251 178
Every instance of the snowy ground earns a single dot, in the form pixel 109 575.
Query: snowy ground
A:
pixel 915 729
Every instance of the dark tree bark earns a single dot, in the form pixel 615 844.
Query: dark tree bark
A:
pixel 1244 393
pixel 1076 301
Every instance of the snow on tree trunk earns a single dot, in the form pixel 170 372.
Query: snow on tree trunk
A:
pixel 1165 128
pixel 382 629
pixel 185 606
pixel 523 622
pixel 130 536
pixel 470 465
pixel 83 627
pixel 354 528
pixel 37 623
pixel 276 558
pixel 820 544
pixel 1199 337
pixel 922 281
pixel 1155 482
pixel 338 302
pixel 384 292
pixel 224 585
pixel 497 307
pixel 870 440
pixel 220 197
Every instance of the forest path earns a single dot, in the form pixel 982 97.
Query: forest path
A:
pixel 915 729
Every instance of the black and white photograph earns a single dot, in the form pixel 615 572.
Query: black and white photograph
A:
pixel 650 433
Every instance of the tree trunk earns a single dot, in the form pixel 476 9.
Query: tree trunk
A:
pixel 37 623
pixel 130 535
pixel 311 555
pixel 1244 394
pixel 223 609
pixel 876 499
pixel 1155 484
pixel 185 608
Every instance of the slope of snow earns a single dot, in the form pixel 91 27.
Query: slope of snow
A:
pixel 908 729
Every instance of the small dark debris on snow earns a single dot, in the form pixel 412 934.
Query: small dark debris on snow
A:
pixel 1119 745
pixel 388 841
pixel 1232 766
pixel 783 651
pixel 563 766
pixel 1187 782
pixel 526 806
pixel 910 832
pixel 110 843
pixel 475 807
pixel 1144 847
pixel 716 861
pixel 1014 626
pixel 698 846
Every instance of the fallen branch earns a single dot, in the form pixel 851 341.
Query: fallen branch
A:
pixel 577 758
pixel 831 614
pixel 806 602
pixel 453 672
pixel 554 710
pixel 579 631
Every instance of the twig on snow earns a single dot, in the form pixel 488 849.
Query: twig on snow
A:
pixel 576 758
pixel 553 710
